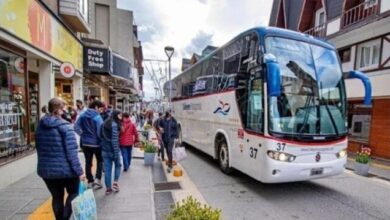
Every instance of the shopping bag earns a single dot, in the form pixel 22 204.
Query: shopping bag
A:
pixel 84 205
pixel 179 153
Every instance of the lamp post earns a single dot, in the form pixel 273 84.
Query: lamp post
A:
pixel 169 52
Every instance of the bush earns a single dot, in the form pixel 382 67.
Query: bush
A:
pixel 191 209
pixel 149 147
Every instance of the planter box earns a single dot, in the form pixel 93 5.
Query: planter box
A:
pixel 149 158
pixel 361 169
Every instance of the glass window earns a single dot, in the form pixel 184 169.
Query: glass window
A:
pixel 255 105
pixel 313 97
pixel 368 55
pixel 13 120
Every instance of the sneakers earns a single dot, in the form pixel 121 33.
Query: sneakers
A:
pixel 169 169
pixel 109 191
pixel 115 187
pixel 98 184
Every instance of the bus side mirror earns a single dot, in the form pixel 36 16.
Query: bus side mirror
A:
pixel 366 82
pixel 273 75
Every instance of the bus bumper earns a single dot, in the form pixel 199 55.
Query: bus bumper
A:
pixel 279 172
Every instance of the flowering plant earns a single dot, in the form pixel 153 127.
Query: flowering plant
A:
pixel 363 156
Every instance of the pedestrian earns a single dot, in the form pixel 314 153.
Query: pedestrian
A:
pixel 80 107
pixel 128 138
pixel 58 162
pixel 44 111
pixel 169 128
pixel 159 132
pixel 88 127
pixel 110 150
pixel 107 112
pixel 134 118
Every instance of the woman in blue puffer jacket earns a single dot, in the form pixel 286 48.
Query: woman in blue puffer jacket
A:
pixel 111 151
pixel 58 162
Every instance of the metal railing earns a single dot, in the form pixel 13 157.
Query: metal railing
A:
pixel 360 12
pixel 317 31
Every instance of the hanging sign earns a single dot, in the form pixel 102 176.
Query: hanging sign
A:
pixel 67 70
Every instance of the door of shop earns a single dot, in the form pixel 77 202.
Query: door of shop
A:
pixel 34 103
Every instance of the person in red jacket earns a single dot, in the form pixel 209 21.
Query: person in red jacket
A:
pixel 128 137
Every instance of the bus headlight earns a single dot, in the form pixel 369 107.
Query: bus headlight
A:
pixel 342 153
pixel 285 157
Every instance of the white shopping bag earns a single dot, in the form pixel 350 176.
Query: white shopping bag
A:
pixel 84 205
pixel 179 153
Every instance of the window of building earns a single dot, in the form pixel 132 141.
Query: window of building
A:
pixel 13 121
pixel 370 3
pixel 368 54
pixel 359 122
pixel 345 55
pixel 320 17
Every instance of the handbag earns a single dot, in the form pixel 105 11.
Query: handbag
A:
pixel 84 205
pixel 179 153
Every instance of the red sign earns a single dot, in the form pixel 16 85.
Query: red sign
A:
pixel 67 70
pixel 240 133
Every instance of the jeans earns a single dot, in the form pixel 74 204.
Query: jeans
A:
pixel 88 153
pixel 126 155
pixel 168 145
pixel 109 159
pixel 56 188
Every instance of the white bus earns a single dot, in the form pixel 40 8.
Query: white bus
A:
pixel 271 103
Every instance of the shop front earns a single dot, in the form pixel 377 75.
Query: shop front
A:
pixel 108 77
pixel 34 45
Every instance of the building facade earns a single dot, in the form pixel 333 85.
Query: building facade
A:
pixel 112 34
pixel 40 58
pixel 360 30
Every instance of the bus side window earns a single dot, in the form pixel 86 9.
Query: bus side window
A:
pixel 255 105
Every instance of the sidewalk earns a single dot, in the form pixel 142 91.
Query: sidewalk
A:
pixel 29 198
pixel 379 168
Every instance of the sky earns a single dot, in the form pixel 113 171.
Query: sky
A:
pixel 189 26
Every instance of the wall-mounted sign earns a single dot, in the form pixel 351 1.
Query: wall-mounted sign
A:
pixel 97 60
pixel 67 70
pixel 31 22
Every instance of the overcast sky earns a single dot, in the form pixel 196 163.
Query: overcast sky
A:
pixel 190 25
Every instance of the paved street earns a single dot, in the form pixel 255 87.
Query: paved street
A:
pixel 346 196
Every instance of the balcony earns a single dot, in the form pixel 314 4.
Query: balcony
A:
pixel 317 31
pixel 360 12
pixel 75 13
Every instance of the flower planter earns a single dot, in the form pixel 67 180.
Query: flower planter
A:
pixel 149 158
pixel 361 169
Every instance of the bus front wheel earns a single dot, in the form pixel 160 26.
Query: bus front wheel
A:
pixel 223 157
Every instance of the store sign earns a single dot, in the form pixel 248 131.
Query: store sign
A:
pixel 67 70
pixel 97 60
pixel 30 21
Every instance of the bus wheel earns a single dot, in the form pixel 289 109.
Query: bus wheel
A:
pixel 223 157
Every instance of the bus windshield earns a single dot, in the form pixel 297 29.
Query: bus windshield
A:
pixel 312 103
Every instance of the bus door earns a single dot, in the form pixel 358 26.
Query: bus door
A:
pixel 254 125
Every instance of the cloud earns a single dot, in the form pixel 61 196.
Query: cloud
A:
pixel 197 44
pixel 190 25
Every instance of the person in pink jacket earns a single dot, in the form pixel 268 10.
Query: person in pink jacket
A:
pixel 127 139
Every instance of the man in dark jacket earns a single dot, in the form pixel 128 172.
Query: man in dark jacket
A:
pixel 88 127
pixel 58 162
pixel 170 133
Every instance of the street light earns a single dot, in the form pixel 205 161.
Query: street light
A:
pixel 169 52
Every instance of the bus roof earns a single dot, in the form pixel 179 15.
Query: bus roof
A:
pixel 264 32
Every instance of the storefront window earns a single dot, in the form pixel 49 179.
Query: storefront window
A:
pixel 13 119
